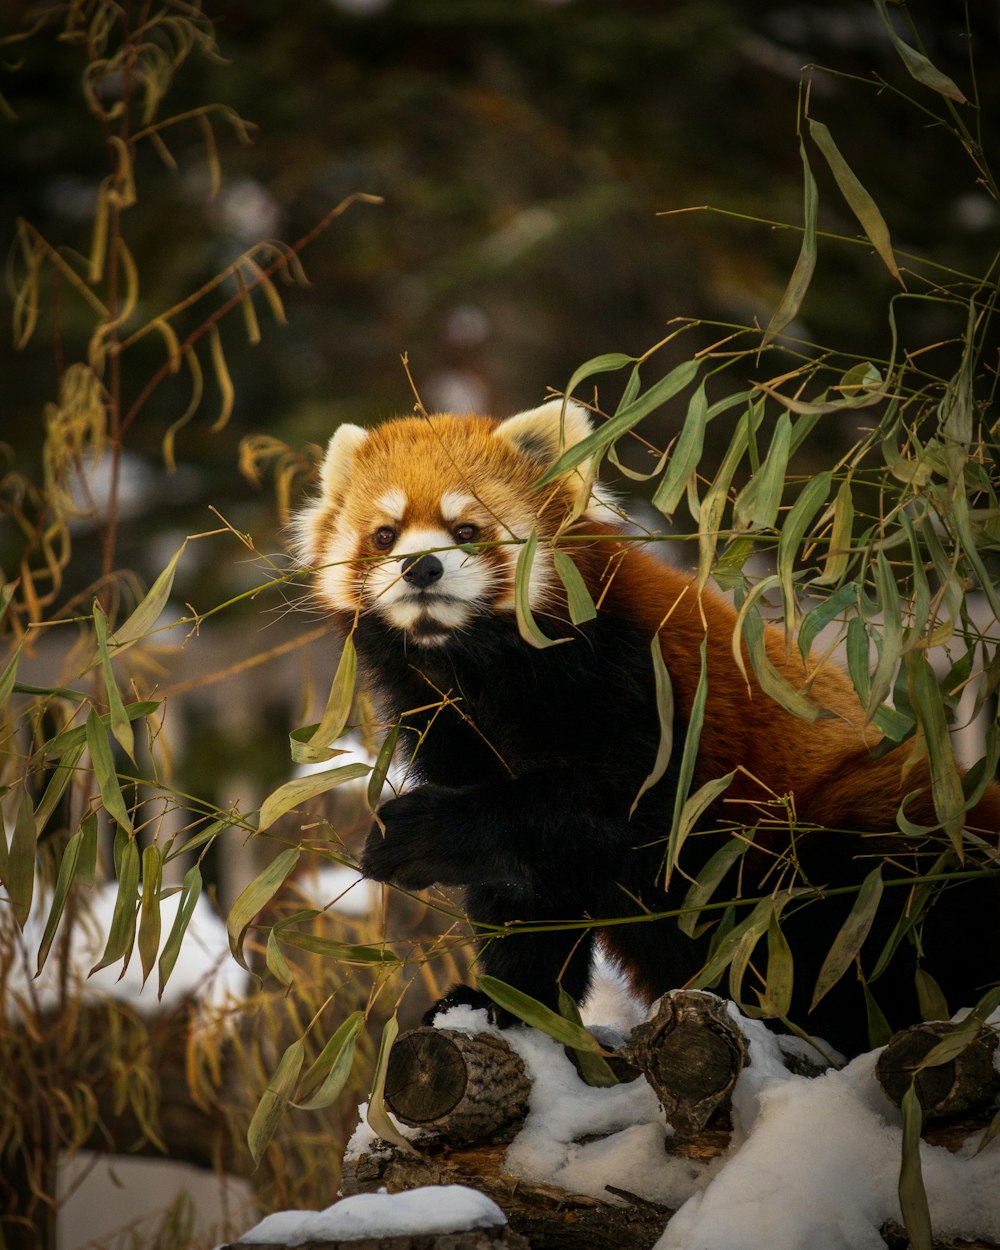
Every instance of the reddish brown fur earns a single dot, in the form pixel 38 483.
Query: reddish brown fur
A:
pixel 827 765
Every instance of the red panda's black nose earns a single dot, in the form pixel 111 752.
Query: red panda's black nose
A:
pixel 422 571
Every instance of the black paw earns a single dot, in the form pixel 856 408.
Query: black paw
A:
pixel 465 996
pixel 412 852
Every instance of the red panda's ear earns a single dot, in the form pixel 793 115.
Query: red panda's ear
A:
pixel 543 434
pixel 336 467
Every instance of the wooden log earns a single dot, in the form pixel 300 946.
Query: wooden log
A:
pixel 467 1087
pixel 967 1082
pixel 691 1053
pixel 549 1217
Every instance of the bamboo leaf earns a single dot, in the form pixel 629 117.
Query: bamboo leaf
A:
pixel 256 896
pixel 851 937
pixel 774 684
pixel 190 893
pixel 912 1195
pixel 892 636
pixel 64 881
pixel 665 713
pixel 17 866
pixel 273 1105
pixel 946 784
pixel 594 1069
pixel 838 554
pixel 9 674
pixel 814 622
pixel 383 762
pixel 686 771
pixel 148 612
pixel 526 624
pixel 293 793
pixel 859 201
pixel 758 502
pixel 879 1029
pixel 122 932
pixel 275 960
pixel 708 880
pixel 802 274
pixel 532 1012
pixel 809 502
pixel 777 996
pixel 121 726
pixel 721 956
pixel 377 1116
pixel 933 1005
pixel 332 1066
pixel 340 699
pixel 920 68
pixel 686 456
pixel 342 952
pixel 149 908
pixel 104 770
pixel 578 597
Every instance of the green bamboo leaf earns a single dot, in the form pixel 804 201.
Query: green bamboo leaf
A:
pixel 772 682
pixel 695 805
pixel 859 201
pixel 708 880
pixel 892 636
pixel 802 274
pixel 578 597
pixel 342 952
pixel 275 960
pixel 190 893
pixel 748 607
pixel 665 713
pixel 879 1029
pixel 893 723
pixel 724 950
pixel 148 612
pixel 121 726
pixel 122 933
pixel 256 896
pixel 815 621
pixel 714 503
pixel 86 867
pixel 378 1117
pixel 838 554
pixel 293 793
pixel 526 624
pixel 626 419
pixel 9 674
pixel 912 1195
pixel 777 997
pixel 341 697
pixel 742 953
pixel 149 908
pixel 809 502
pixel 532 1012
pixel 687 455
pixel 758 502
pixel 686 771
pixel 851 936
pixel 61 776
pixel 70 739
pixel 17 866
pixel 275 1102
pixel 946 784
pixel 104 770
pixel 920 68
pixel 383 763
pixel 332 1066
pixel 933 1004
pixel 64 881
pixel 594 1069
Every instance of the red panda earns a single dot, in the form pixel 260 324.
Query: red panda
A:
pixel 528 761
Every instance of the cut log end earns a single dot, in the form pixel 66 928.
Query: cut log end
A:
pixel 967 1082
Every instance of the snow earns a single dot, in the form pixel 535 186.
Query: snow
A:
pixel 205 967
pixel 430 1210
pixel 813 1163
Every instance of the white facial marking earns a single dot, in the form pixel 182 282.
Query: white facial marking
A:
pixel 465 585
pixel 454 503
pixel 337 580
pixel 392 503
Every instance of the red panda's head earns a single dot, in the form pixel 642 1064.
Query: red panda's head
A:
pixel 421 519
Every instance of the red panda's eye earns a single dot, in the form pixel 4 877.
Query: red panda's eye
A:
pixel 384 537
pixel 465 533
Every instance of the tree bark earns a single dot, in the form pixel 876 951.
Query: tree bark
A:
pixel 466 1087
pixel 967 1082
